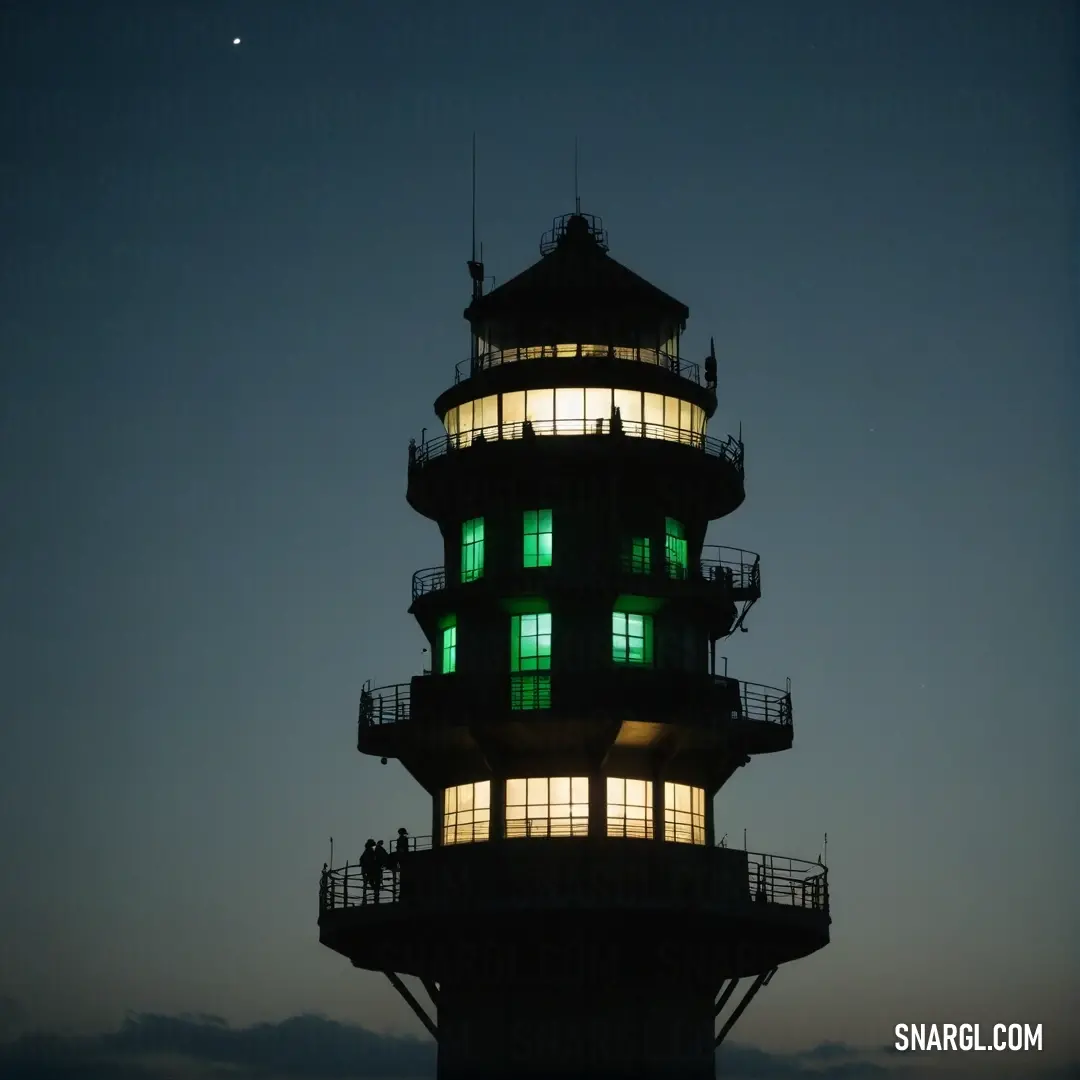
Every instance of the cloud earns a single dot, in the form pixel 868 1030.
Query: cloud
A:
pixel 202 1047
pixel 152 1047
pixel 826 1061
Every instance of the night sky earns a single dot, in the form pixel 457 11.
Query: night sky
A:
pixel 231 285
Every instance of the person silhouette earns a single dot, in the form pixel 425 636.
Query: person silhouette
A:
pixel 370 870
pixel 383 857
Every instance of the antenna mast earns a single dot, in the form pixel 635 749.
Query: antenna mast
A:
pixel 577 198
pixel 476 269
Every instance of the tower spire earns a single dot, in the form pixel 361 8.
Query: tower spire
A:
pixel 476 267
pixel 577 198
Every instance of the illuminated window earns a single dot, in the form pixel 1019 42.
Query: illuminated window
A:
pixel 597 407
pixel 547 806
pixel 513 412
pixel 629 808
pixel 537 538
pixel 540 410
pixel 631 638
pixel 640 555
pixel 530 642
pixel 472 549
pixel 449 646
pixel 675 553
pixel 684 814
pixel 530 651
pixel 574 410
pixel 467 813
pixel 530 691
pixel 570 410
pixel 628 402
pixel 652 410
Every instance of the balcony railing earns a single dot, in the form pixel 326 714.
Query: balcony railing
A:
pixel 771 879
pixel 763 704
pixel 431 580
pixel 353 884
pixel 776 879
pixel 757 703
pixel 729 449
pixel 740 569
pixel 493 358
pixel 384 705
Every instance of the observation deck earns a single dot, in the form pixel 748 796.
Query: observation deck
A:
pixel 698 476
pixel 726 912
pixel 704 725
pixel 495 371
pixel 490 359
pixel 726 583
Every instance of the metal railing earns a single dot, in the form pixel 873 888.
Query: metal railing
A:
pixel 431 580
pixel 757 703
pixel 492 358
pixel 729 449
pixel 771 879
pixel 354 885
pixel 775 879
pixel 384 705
pixel 742 571
pixel 762 704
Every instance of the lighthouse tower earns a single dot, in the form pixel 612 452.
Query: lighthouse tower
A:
pixel 571 913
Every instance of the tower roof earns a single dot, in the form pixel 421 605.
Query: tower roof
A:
pixel 576 277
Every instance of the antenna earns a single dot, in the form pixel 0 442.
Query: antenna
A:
pixel 476 269
pixel 577 198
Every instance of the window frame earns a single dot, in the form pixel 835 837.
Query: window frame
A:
pixel 624 656
pixel 676 549
pixel 533 529
pixel 472 549
pixel 448 647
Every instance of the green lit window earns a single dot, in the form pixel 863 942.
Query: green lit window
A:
pixel 675 548
pixel 449 646
pixel 530 642
pixel 530 651
pixel 537 538
pixel 472 549
pixel 640 555
pixel 530 691
pixel 631 638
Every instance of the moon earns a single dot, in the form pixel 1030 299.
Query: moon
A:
pixel 236 41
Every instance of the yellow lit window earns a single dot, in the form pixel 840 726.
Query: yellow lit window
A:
pixel 574 411
pixel 547 806
pixel 684 814
pixel 629 808
pixel 467 813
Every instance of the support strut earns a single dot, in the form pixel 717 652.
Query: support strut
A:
pixel 759 982
pixel 413 1004
pixel 722 1000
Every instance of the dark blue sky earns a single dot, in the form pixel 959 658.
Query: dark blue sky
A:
pixel 232 281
